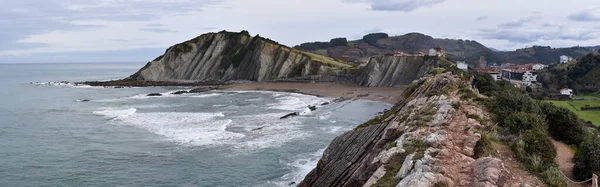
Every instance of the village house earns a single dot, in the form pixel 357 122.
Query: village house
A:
pixel 520 77
pixel 566 92
pixel 565 59
pixel 462 65
pixel 436 51
pixel 538 67
pixel 495 73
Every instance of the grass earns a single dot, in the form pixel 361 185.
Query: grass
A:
pixel 575 106
pixel 325 60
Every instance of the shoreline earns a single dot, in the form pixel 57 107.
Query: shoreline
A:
pixel 389 95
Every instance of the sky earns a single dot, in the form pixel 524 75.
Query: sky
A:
pixel 33 31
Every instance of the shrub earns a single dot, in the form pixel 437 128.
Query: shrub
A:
pixel 537 143
pixel 563 124
pixel 484 146
pixel 587 158
pixel 553 178
pixel 519 121
pixel 513 100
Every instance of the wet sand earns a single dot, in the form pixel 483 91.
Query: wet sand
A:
pixel 383 94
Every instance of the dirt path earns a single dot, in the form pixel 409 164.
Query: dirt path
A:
pixel 564 158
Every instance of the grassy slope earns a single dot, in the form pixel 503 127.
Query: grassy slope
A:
pixel 575 106
pixel 325 60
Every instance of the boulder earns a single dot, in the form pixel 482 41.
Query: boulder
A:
pixel 407 166
pixel 154 94
pixel 489 171
pixel 179 92
pixel 470 143
pixel 312 108
pixel 289 115
pixel 325 103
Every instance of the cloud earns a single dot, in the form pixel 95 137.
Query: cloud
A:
pixel 397 5
pixel 19 20
pixel 156 30
pixel 519 22
pixel 588 15
pixel 481 18
pixel 529 30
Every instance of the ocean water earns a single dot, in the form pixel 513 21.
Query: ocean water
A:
pixel 49 137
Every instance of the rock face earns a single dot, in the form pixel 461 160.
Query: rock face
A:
pixel 236 56
pixel 397 70
pixel 425 140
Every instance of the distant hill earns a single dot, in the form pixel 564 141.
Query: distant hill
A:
pixel 543 54
pixel 583 76
pixel 456 49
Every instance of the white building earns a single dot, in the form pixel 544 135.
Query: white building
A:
pixel 566 91
pixel 538 66
pixel 462 65
pixel 520 77
pixel 432 52
pixel 496 76
pixel 565 59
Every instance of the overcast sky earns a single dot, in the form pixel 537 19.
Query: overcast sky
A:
pixel 140 30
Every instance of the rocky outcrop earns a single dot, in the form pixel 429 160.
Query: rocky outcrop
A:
pixel 236 56
pixel 397 70
pixel 426 140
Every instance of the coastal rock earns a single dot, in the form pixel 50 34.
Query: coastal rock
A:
pixel 407 166
pixel 396 70
pixel 489 172
pixel 179 92
pixel 470 144
pixel 312 108
pixel 289 115
pixel 154 94
pixel 201 89
pixel 226 56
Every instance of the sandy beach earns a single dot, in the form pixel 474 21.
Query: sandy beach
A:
pixel 383 94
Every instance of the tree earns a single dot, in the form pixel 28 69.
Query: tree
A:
pixel 338 42
pixel 374 37
pixel 528 89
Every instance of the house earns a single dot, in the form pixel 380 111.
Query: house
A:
pixel 520 77
pixel 565 59
pixel 539 66
pixel 436 51
pixel 566 91
pixel 462 65
pixel 491 71
pixel 432 52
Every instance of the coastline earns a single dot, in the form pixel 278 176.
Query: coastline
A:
pixel 388 95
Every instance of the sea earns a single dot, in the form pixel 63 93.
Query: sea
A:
pixel 54 133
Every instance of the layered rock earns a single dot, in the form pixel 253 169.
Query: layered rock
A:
pixel 397 70
pixel 236 56
pixel 426 139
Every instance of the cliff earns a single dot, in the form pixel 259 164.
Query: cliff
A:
pixel 431 137
pixel 389 71
pixel 236 56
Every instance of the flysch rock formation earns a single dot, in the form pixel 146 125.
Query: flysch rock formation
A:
pixel 228 56
pixel 425 140
pixel 236 56
pixel 385 71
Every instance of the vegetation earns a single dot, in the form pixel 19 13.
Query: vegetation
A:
pixel 587 158
pixel 527 126
pixel 395 163
pixel 484 146
pixel 374 37
pixel 575 106
pixel 582 77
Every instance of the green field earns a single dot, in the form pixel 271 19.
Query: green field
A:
pixel 575 106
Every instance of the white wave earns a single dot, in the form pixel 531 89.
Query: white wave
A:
pixel 300 168
pixel 297 102
pixel 204 95
pixel 64 84
pixel 192 129
pixel 325 116
pixel 266 131
pixel 114 113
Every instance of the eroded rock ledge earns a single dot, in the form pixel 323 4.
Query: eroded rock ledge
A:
pixel 427 139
